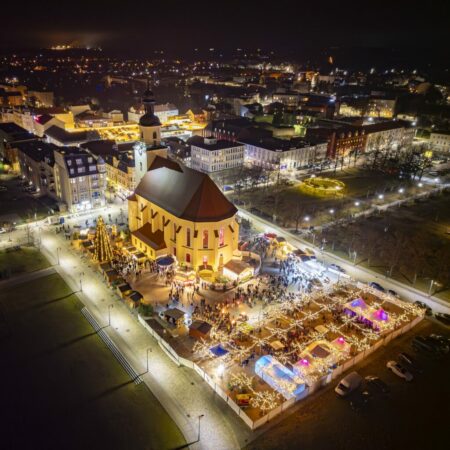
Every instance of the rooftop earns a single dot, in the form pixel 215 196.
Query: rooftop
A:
pixel 211 143
pixel 185 193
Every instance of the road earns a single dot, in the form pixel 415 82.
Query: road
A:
pixel 355 272
pixel 180 390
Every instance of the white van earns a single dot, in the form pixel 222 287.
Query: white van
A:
pixel 348 384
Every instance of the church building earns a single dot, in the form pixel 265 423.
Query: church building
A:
pixel 179 211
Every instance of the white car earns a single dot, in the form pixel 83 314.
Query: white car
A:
pixel 399 370
pixel 2 230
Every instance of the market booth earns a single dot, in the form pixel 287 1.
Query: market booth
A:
pixel 375 318
pixel 279 377
pixel 199 329
pixel 236 269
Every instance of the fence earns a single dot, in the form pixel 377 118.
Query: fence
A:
pixel 253 424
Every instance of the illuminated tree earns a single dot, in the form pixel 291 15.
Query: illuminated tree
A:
pixel 102 245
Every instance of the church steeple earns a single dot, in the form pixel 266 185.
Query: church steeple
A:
pixel 149 119
pixel 149 124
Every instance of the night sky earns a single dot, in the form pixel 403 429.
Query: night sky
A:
pixel 281 25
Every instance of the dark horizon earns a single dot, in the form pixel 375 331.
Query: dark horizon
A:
pixel 177 28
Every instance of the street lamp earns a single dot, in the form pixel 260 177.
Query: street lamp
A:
pixel 420 185
pixel 199 418
pixel 307 218
pixel 81 281
pixel 431 288
pixel 109 313
pixel 331 211
pixel 401 190
pixel 357 203
pixel 381 196
pixel 149 350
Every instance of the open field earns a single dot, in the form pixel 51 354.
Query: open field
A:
pixel 290 204
pixel 61 386
pixel 410 243
pixel 25 259
pixel 412 416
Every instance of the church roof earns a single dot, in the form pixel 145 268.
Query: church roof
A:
pixel 149 120
pixel 185 193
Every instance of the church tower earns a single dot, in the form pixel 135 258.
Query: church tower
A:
pixel 149 124
pixel 149 146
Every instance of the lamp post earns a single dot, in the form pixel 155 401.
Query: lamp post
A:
pixel 81 281
pixel 57 254
pixel 109 314
pixel 149 350
pixel 431 288
pixel 199 418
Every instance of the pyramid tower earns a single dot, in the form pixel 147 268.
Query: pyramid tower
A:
pixel 102 245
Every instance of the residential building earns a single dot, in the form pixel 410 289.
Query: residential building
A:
pixel 272 153
pixel 40 99
pixel 163 111
pixel 119 163
pixel 36 161
pixel 212 155
pixel 80 180
pixel 440 141
pixel 342 139
pixel 61 137
pixel 287 98
pixel 179 211
pixel 12 134
pixel 393 134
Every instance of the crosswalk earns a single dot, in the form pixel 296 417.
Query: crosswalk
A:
pixel 110 344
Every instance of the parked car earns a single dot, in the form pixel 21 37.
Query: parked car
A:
pixel 443 317
pixel 421 343
pixel 406 358
pixel 2 230
pixel 409 360
pixel 441 341
pixel 377 286
pixel 377 383
pixel 360 400
pixel 393 293
pixel 348 384
pixel 336 268
pixel 399 370
pixel 428 310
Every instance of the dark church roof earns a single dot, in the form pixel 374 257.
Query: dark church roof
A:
pixel 149 120
pixel 185 193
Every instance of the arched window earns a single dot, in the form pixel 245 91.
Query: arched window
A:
pixel 221 237
pixel 205 238
pixel 188 237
